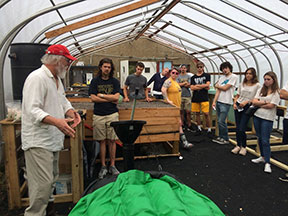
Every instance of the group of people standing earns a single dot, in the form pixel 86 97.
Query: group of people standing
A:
pixel 262 100
pixel 250 95
pixel 47 115
pixel 176 88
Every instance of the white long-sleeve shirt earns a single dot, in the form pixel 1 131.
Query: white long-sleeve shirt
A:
pixel 40 99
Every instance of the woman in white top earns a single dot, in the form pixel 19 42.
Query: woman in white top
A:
pixel 267 98
pixel 246 93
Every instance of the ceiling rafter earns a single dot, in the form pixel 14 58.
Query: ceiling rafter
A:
pixel 103 26
pixel 100 17
pixel 105 46
pixel 166 10
pixel 161 28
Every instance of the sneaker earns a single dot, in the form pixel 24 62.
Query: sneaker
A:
pixel 243 151
pixel 225 141
pixel 216 140
pixel 258 160
pixel 113 170
pixel 103 171
pixel 285 178
pixel 221 141
pixel 188 145
pixel 267 168
pixel 235 150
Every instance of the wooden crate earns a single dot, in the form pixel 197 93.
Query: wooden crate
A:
pixel 162 124
pixel 10 132
pixel 162 121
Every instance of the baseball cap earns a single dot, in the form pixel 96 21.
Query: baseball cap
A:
pixel 58 49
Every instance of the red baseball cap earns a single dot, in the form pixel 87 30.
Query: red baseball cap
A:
pixel 58 49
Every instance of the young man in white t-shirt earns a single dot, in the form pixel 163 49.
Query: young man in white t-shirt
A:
pixel 223 100
pixel 284 96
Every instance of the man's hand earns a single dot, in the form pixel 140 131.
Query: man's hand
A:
pixel 72 114
pixel 62 125
pixel 76 120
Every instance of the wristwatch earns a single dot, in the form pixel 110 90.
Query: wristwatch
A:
pixel 102 95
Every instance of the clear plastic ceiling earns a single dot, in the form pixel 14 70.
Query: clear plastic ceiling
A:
pixel 248 33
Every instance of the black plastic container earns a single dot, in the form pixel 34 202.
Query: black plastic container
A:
pixel 127 132
pixel 25 58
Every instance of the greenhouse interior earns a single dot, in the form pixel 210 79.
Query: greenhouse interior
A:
pixel 144 107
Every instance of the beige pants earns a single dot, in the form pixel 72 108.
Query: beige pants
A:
pixel 42 172
pixel 101 127
pixel 186 103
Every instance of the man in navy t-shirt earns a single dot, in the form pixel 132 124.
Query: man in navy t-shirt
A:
pixel 158 79
pixel 104 91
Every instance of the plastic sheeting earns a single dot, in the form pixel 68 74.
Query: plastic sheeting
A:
pixel 248 33
pixel 137 193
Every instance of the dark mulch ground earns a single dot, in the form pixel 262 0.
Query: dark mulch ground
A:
pixel 236 185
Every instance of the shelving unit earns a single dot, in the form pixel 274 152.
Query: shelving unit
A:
pixel 78 73
pixel 16 190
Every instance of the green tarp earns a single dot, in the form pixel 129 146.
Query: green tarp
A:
pixel 137 193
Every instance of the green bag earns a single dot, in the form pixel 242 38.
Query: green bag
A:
pixel 137 193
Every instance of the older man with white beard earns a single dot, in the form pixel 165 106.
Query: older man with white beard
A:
pixel 46 113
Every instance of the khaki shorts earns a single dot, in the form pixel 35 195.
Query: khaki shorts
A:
pixel 186 103
pixel 101 127
pixel 204 107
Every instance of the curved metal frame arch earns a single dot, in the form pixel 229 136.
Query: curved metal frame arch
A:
pixel 193 43
pixel 210 41
pixel 269 62
pixel 260 45
pixel 3 3
pixel 9 38
pixel 74 18
pixel 91 43
pixel 269 23
pixel 98 28
pixel 211 61
pixel 229 24
pixel 218 33
pixel 97 35
pixel 204 56
pixel 96 49
pixel 117 21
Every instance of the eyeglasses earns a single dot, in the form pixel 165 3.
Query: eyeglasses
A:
pixel 175 73
pixel 199 66
pixel 68 61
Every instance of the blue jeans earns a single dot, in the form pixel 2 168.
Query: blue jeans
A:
pixel 285 131
pixel 241 125
pixel 263 130
pixel 222 112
